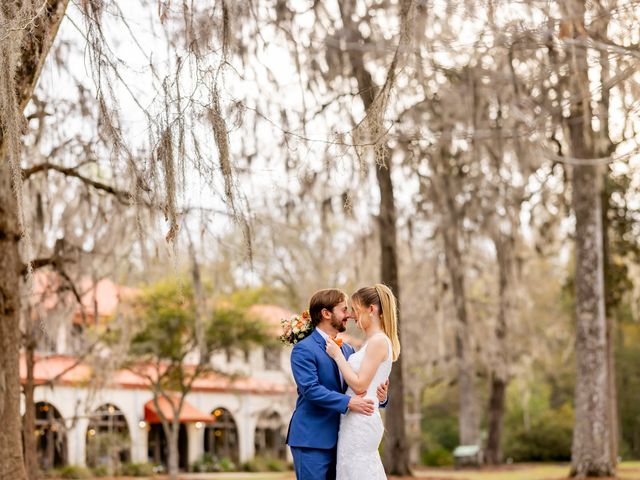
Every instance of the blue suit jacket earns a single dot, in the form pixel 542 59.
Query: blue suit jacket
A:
pixel 321 399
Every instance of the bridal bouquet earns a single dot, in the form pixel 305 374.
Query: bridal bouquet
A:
pixel 296 328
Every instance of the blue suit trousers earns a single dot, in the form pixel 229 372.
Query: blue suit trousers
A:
pixel 314 463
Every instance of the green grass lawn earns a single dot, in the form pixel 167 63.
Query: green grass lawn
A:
pixel 626 471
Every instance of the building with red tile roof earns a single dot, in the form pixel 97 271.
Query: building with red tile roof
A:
pixel 237 411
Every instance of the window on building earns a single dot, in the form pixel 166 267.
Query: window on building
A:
pixel 108 438
pixel 221 437
pixel 271 358
pixel 270 436
pixel 51 439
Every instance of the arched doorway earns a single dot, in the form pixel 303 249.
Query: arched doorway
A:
pixel 108 438
pixel 221 437
pixel 51 437
pixel 159 449
pixel 270 438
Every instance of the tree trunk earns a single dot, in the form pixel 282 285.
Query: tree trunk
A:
pixel 612 396
pixel 468 418
pixel 33 51
pixel 607 147
pixel 591 449
pixel 29 419
pixel 498 388
pixel 499 375
pixel 172 435
pixel 11 462
pixel 396 451
pixel 612 391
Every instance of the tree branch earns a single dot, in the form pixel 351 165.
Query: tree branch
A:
pixel 124 197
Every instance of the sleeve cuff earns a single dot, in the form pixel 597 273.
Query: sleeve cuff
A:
pixel 346 404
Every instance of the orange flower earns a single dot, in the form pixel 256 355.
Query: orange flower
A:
pixel 338 341
pixel 305 314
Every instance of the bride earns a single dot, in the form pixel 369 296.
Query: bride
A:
pixel 375 312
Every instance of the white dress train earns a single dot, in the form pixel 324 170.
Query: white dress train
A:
pixel 360 435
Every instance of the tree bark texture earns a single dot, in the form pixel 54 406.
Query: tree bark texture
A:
pixel 29 419
pixel 468 417
pixel 497 392
pixel 612 397
pixel 591 448
pixel 33 51
pixel 11 461
pixel 607 147
pixel 500 374
pixel 172 435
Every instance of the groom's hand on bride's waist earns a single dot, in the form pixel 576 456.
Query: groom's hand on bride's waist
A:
pixel 362 405
pixel 381 391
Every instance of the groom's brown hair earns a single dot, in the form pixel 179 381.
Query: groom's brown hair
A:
pixel 326 298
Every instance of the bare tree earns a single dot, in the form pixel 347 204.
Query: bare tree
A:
pixel 27 35
pixel 591 454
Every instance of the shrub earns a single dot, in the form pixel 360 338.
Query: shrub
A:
pixel 208 463
pixel 266 464
pixel 100 471
pixel 257 464
pixel 226 465
pixel 437 457
pixel 205 464
pixel 547 439
pixel 74 472
pixel 277 465
pixel 439 424
pixel 138 469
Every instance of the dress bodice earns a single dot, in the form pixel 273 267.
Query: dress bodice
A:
pixel 381 375
pixel 360 435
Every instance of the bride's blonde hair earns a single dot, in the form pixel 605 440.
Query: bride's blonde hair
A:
pixel 381 296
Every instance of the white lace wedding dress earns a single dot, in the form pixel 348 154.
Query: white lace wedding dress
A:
pixel 360 435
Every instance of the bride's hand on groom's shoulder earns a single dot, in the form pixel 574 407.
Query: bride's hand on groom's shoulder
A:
pixel 333 349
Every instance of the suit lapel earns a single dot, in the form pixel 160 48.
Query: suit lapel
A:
pixel 323 344
pixel 346 353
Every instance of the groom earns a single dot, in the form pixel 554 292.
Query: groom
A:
pixel 313 431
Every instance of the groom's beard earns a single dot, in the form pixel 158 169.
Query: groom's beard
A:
pixel 338 324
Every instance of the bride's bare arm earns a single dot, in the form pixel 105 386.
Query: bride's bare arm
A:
pixel 376 353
